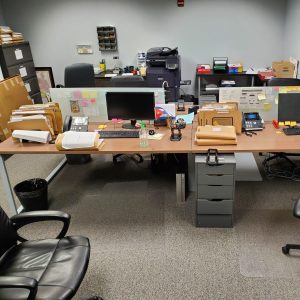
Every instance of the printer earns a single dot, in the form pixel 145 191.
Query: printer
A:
pixel 164 70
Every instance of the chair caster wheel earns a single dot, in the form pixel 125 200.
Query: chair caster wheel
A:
pixel 285 250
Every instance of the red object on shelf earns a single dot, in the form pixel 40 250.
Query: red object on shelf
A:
pixel 266 75
pixel 180 3
pixel 203 69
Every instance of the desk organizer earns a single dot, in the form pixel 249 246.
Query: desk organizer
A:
pixel 107 38
pixel 215 191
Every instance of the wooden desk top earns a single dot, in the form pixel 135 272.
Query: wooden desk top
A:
pixel 267 140
pixel 111 146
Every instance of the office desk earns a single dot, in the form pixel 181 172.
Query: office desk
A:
pixel 265 141
pixel 111 146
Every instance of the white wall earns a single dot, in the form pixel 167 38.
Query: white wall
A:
pixel 248 31
pixel 292 30
pixel 2 20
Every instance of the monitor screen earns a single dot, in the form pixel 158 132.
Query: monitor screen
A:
pixel 289 107
pixel 130 105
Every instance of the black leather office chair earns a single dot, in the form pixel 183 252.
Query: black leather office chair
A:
pixel 128 81
pixel 287 247
pixel 79 75
pixel 283 82
pixel 40 269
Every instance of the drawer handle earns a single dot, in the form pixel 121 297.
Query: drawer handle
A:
pixel 214 185
pixel 216 175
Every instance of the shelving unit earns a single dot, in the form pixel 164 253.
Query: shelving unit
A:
pixel 107 38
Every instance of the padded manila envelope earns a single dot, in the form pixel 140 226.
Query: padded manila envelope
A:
pixel 216 142
pixel 78 141
pixel 216 132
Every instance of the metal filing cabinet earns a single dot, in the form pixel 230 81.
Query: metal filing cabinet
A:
pixel 16 59
pixel 215 182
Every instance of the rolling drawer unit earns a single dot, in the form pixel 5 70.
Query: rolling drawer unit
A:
pixel 16 59
pixel 215 191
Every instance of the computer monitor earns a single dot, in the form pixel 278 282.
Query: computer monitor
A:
pixel 130 106
pixel 289 107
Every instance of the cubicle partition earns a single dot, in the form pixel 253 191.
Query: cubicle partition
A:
pixel 91 102
pixel 263 100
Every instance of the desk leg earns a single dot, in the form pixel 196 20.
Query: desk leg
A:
pixel 7 187
pixel 56 170
pixel 180 188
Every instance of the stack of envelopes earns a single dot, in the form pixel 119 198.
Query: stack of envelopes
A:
pixel 215 135
pixel 45 117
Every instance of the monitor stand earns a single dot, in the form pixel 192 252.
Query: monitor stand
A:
pixel 130 126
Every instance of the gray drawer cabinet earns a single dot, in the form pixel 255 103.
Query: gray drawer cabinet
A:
pixel 16 59
pixel 215 191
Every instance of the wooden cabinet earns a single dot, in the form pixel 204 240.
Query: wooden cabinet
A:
pixel 16 59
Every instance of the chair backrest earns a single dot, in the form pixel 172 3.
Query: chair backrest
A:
pixel 283 82
pixel 79 75
pixel 128 81
pixel 8 235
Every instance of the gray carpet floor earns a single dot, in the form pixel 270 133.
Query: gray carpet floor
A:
pixel 145 246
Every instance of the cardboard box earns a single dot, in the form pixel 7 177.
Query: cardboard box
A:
pixel 13 94
pixel 221 114
pixel 283 69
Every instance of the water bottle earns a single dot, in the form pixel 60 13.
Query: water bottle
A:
pixel 143 136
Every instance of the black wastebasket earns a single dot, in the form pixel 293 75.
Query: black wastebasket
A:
pixel 33 194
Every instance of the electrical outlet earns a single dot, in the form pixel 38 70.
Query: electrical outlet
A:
pixel 185 82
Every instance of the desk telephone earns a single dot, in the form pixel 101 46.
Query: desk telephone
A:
pixel 252 121
pixel 76 123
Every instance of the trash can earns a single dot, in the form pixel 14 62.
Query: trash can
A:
pixel 33 194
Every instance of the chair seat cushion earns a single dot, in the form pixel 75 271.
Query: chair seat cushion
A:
pixel 58 265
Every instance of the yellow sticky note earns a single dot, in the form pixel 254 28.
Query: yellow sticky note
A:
pixel 86 94
pixel 102 126
pixel 283 90
pixel 281 123
pixel 293 123
pixel 261 97
pixel 267 106
pixel 287 123
pixel 93 94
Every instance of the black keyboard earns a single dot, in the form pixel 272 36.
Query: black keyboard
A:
pixel 292 130
pixel 108 134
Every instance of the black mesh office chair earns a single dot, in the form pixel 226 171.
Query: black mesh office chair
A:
pixel 128 81
pixel 283 82
pixel 287 247
pixel 79 75
pixel 40 269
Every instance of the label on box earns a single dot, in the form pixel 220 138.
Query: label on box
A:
pixel 23 71
pixel 18 54
pixel 28 88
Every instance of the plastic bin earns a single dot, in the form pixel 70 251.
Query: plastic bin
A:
pixel 33 194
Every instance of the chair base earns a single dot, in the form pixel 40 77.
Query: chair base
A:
pixel 136 158
pixel 287 247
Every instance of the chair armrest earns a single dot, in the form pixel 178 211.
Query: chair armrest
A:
pixel 297 209
pixel 25 218
pixel 19 282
